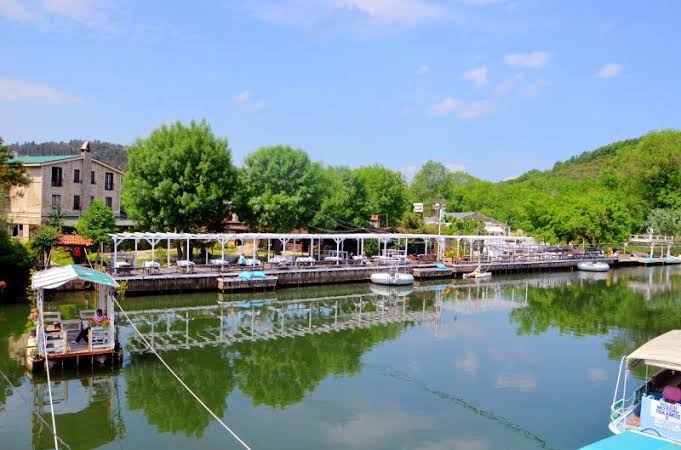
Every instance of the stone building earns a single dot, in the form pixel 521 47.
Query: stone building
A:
pixel 68 183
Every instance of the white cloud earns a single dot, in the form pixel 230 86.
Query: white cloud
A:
pixel 477 75
pixel 463 110
pixel 453 167
pixel 532 60
pixel 12 90
pixel 243 97
pixel 608 71
pixel 483 2
pixel 468 363
pixel 423 69
pixel 92 14
pixel 597 375
pixel 246 101
pixel 407 12
pixel 516 382
pixel 332 12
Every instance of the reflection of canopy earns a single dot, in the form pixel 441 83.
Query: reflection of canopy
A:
pixel 663 351
pixel 57 276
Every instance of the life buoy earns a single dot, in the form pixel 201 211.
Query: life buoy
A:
pixel 87 285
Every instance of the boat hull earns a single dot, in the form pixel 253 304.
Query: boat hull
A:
pixel 593 266
pixel 392 279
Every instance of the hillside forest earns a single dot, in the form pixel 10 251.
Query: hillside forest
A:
pixel 600 196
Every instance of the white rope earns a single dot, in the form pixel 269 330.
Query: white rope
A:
pixel 42 419
pixel 238 439
pixel 49 381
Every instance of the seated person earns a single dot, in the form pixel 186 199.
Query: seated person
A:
pixel 98 319
pixel 242 260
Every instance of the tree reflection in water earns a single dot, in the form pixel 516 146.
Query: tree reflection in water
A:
pixel 276 373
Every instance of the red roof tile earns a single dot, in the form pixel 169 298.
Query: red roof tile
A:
pixel 75 240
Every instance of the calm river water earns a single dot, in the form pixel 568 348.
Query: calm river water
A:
pixel 523 362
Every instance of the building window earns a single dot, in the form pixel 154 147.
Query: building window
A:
pixel 92 177
pixel 56 176
pixel 76 175
pixel 92 199
pixel 76 202
pixel 109 202
pixel 56 201
pixel 108 181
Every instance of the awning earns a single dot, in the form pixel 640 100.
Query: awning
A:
pixel 663 351
pixel 58 276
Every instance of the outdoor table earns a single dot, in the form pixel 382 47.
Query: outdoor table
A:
pixel 122 266
pixel 185 266
pixel 218 264
pixel 148 266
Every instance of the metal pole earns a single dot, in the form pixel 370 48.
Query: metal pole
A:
pixel 168 253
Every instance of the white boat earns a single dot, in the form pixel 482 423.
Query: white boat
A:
pixel 672 260
pixel 392 278
pixel 591 266
pixel 478 274
pixel 654 407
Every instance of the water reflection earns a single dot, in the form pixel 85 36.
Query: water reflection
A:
pixel 86 407
pixel 463 358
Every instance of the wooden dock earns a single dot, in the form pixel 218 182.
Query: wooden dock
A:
pixel 205 279
pixel 236 283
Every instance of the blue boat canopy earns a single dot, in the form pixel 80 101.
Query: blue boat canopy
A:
pixel 630 440
pixel 57 276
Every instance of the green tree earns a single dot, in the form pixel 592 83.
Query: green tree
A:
pixel 386 190
pixel 11 173
pixel 97 222
pixel 431 183
pixel 42 240
pixel 280 189
pixel 665 221
pixel 345 203
pixel 15 264
pixel 179 178
pixel 659 168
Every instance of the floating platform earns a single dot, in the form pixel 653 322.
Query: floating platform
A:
pixel 238 284
pixel 432 272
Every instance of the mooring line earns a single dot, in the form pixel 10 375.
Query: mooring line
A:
pixel 234 435
pixel 49 380
pixel 42 419
pixel 506 422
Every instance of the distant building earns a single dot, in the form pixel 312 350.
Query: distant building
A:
pixel 492 226
pixel 68 183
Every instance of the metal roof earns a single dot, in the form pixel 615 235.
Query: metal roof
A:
pixel 57 276
pixel 37 160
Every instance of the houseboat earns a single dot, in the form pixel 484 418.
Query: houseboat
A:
pixel 54 338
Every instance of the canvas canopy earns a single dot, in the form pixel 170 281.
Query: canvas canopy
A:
pixel 57 276
pixel 663 351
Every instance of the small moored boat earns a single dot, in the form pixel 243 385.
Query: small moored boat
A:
pixel 654 406
pixel 593 266
pixel 392 278
pixel 478 274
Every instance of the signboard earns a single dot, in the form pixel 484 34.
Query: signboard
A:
pixel 418 207
pixel 666 415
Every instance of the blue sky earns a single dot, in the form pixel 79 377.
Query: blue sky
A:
pixel 495 87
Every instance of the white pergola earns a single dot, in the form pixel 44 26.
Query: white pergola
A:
pixel 383 239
